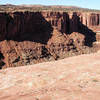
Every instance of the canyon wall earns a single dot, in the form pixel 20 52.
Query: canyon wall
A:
pixel 33 37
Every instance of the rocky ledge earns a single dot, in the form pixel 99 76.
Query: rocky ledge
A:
pixel 33 37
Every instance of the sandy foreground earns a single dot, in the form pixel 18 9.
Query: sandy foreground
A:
pixel 74 78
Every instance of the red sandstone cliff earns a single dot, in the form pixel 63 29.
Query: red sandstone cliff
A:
pixel 31 37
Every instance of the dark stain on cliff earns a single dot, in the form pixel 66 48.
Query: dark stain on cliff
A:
pixel 28 26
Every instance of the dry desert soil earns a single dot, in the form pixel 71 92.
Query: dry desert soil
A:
pixel 73 78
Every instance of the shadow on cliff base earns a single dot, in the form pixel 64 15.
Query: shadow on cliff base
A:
pixel 77 26
pixel 31 26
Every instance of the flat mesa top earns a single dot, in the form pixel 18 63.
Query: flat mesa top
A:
pixel 31 8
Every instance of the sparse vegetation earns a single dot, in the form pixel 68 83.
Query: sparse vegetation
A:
pixel 13 8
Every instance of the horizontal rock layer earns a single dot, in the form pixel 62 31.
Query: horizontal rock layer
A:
pixel 32 37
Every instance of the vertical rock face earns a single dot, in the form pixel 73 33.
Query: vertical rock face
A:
pixel 3 25
pixel 32 37
pixel 91 20
pixel 60 20
pixel 94 20
pixel 28 26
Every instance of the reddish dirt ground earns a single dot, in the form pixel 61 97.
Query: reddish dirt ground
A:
pixel 74 78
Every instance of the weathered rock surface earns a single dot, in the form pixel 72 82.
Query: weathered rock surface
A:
pixel 74 78
pixel 32 37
